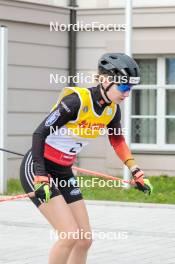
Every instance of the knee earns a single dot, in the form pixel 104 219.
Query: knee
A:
pixel 68 243
pixel 73 239
pixel 67 239
pixel 84 244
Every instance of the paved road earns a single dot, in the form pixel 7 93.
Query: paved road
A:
pixel 128 233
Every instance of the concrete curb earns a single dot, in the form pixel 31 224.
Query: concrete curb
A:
pixel 130 204
pixel 114 203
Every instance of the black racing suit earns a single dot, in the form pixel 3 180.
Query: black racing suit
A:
pixel 34 162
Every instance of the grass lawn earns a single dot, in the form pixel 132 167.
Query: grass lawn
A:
pixel 164 191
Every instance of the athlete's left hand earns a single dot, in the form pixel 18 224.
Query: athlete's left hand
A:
pixel 42 188
pixel 142 184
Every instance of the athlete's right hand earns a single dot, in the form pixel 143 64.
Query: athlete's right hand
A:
pixel 42 188
pixel 142 184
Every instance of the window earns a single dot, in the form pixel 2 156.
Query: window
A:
pixel 148 70
pixel 153 107
pixel 170 71
pixel 144 105
pixel 170 101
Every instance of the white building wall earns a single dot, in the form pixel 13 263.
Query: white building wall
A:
pixel 34 53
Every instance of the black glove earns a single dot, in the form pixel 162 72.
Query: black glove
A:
pixel 42 188
pixel 142 184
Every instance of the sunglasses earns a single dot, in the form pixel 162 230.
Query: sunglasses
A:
pixel 124 87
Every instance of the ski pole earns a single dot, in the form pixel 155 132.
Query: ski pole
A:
pixel 101 175
pixel 81 170
pixel 89 172
pixel 15 197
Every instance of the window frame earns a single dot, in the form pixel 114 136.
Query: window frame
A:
pixel 160 116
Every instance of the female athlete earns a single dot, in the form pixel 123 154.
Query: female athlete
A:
pixel 75 121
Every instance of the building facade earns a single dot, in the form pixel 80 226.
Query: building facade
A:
pixel 34 53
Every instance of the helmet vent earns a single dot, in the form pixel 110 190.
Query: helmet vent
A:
pixel 104 62
pixel 114 58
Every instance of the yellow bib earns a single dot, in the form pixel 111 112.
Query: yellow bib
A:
pixel 88 123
